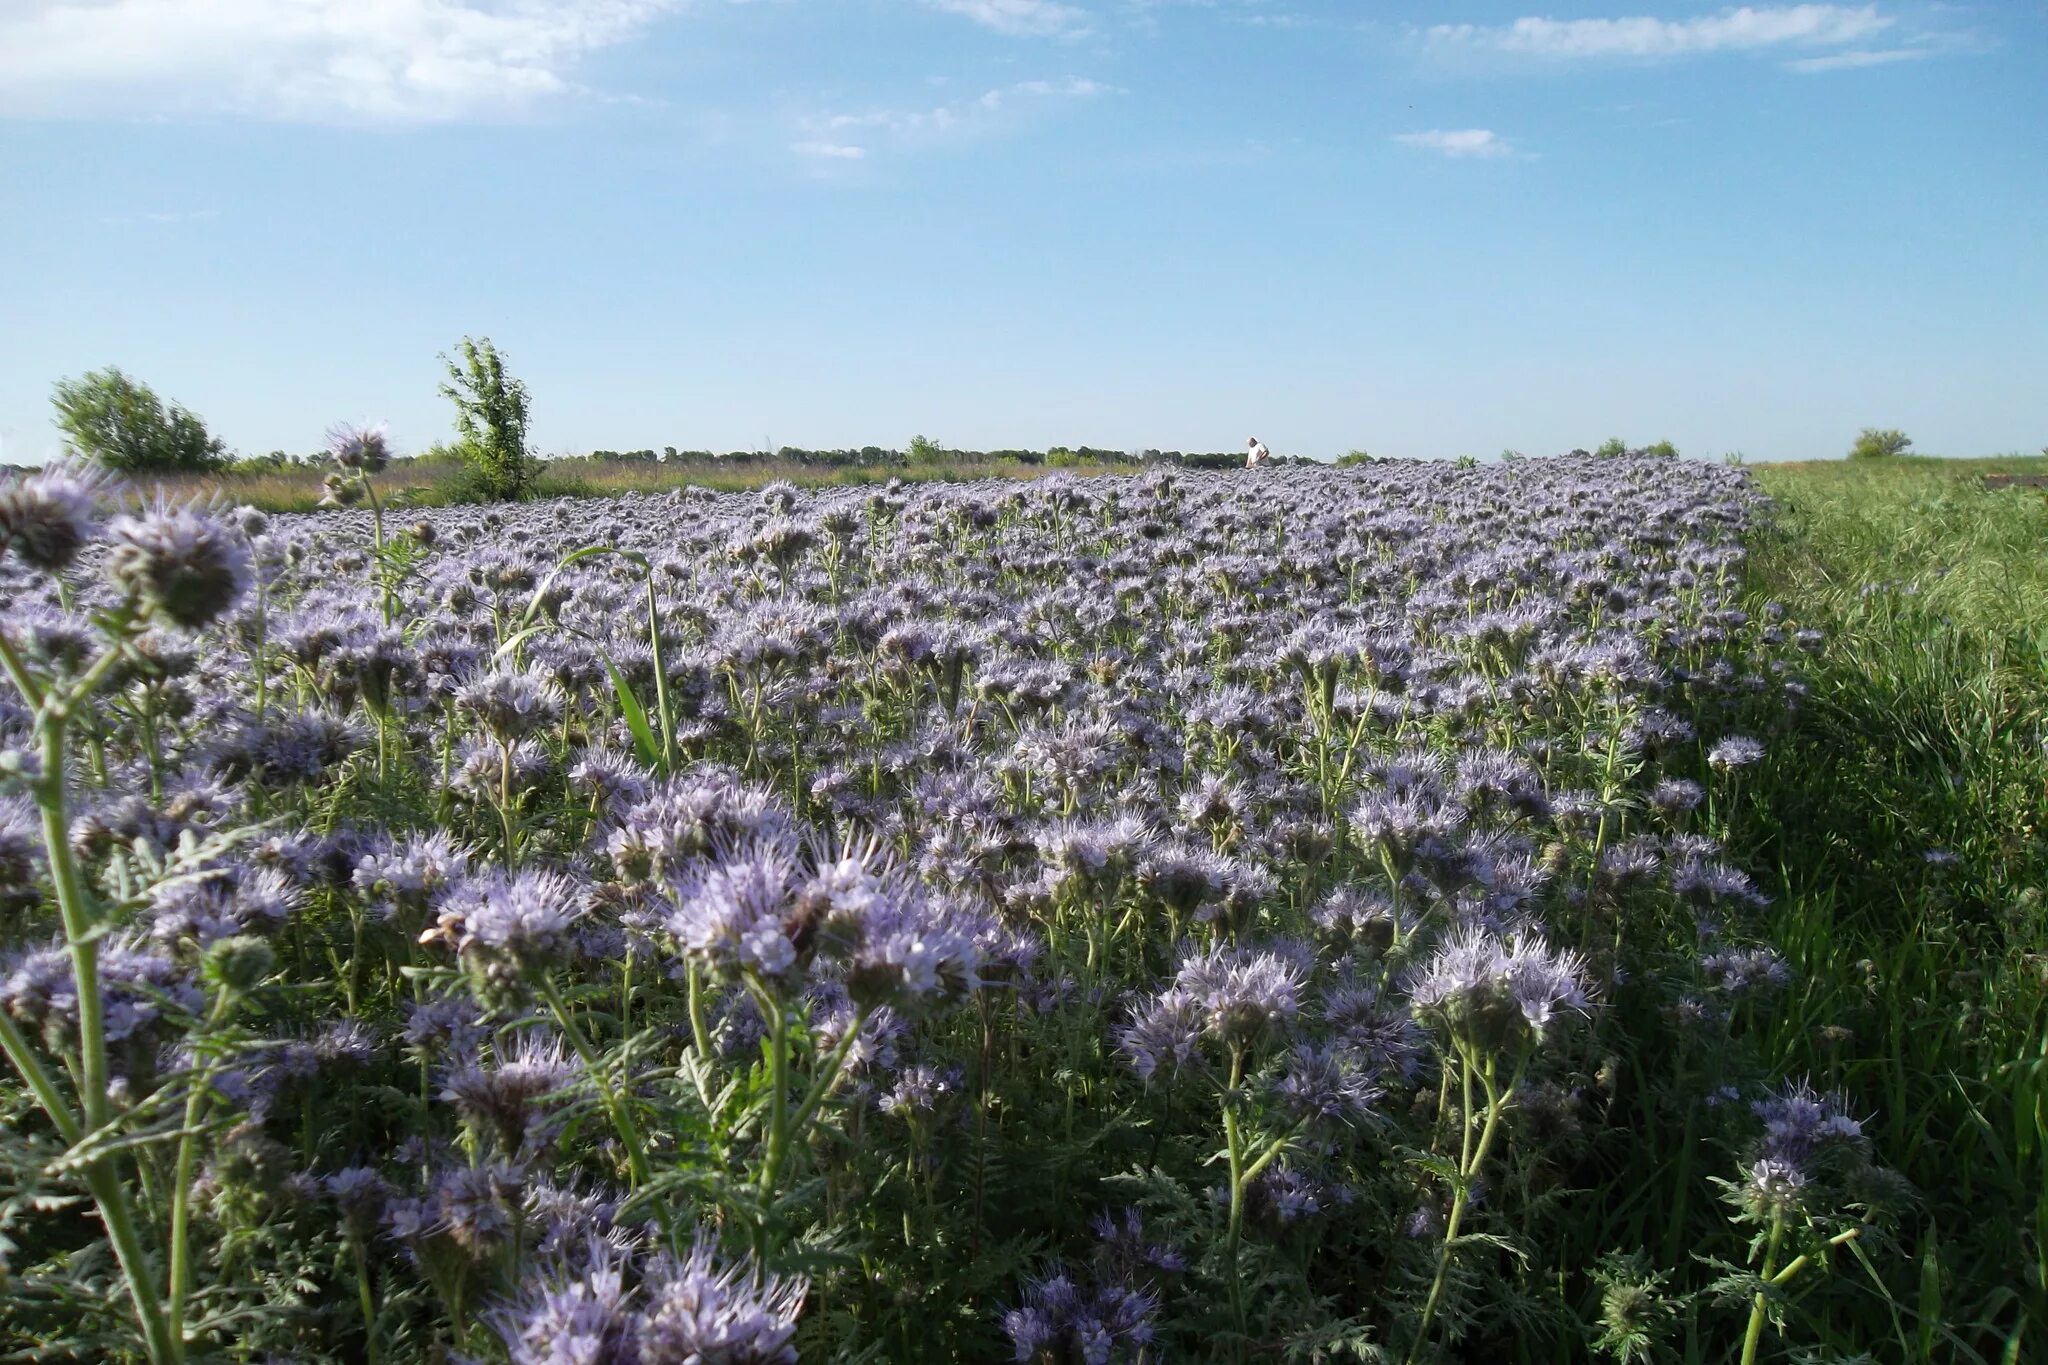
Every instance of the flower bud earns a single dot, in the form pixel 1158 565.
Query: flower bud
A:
pixel 238 964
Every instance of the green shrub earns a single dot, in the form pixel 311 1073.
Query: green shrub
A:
pixel 121 424
pixel 1613 448
pixel 1874 443
pixel 491 414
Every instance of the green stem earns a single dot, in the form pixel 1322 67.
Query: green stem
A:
pixel 390 600
pixel 103 1176
pixel 778 1087
pixel 616 1105
pixel 1496 1104
pixel 1754 1335
pixel 1273 1149
pixel 700 1032
pixel 38 1077
pixel 79 928
pixel 17 673
pixel 505 800
pixel 828 1075
pixel 111 1197
pixel 1805 1259
pixel 181 1180
pixel 1234 1144
pixel 365 1301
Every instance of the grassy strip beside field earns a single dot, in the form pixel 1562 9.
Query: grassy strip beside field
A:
pixel 1901 815
pixel 441 482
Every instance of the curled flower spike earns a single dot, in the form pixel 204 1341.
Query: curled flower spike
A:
pixel 48 516
pixel 180 565
pixel 366 449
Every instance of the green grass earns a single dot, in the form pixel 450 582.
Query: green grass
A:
pixel 1924 731
pixel 440 482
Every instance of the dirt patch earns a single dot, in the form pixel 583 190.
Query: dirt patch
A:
pixel 2016 480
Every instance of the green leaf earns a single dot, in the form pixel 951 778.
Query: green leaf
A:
pixel 517 639
pixel 540 592
pixel 644 742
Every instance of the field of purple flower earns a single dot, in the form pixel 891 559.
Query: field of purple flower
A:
pixel 1299 915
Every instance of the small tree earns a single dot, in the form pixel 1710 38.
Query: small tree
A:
pixel 121 424
pixel 1613 448
pixel 924 450
pixel 1660 450
pixel 491 414
pixel 1875 444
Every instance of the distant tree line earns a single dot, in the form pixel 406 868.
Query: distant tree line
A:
pixel 119 422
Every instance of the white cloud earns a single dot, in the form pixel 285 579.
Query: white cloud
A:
pixel 1000 107
pixel 1473 142
pixel 1254 13
pixel 1747 29
pixel 313 60
pixel 830 151
pixel 1029 18
pixel 1845 61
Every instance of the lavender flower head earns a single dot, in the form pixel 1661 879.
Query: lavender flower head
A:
pixel 1326 1085
pixel 697 1310
pixel 1496 994
pixel 359 448
pixel 505 1098
pixel 769 907
pixel 411 875
pixel 47 517
pixel 571 1317
pixel 1802 1124
pixel 180 565
pixel 1235 996
pixel 734 911
pixel 511 704
pixel 503 924
pixel 139 987
pixel 1735 753
pixel 1059 1320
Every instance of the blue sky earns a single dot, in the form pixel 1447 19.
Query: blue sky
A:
pixel 1426 229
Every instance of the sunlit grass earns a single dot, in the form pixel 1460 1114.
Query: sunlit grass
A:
pixel 1923 741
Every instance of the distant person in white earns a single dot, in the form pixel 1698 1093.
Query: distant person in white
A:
pixel 1256 454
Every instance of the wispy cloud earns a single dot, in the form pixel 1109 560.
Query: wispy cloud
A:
pixel 307 60
pixel 1849 61
pixel 1467 142
pixel 1028 18
pixel 1747 29
pixel 1252 13
pixel 830 151
pixel 1003 107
